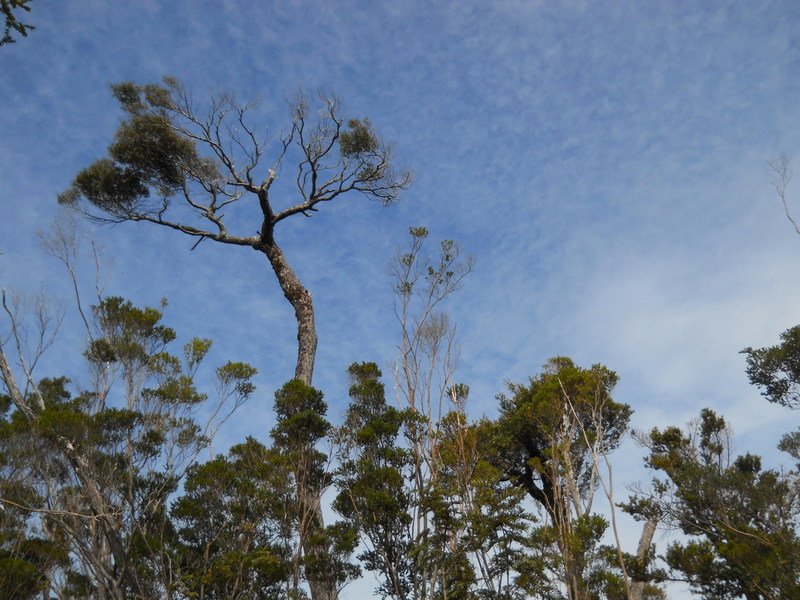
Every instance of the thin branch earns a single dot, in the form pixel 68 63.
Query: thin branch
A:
pixel 62 244
pixel 194 231
pixel 783 175
pixel 16 335
pixel 55 512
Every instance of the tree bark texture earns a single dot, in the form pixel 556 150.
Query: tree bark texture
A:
pixel 300 299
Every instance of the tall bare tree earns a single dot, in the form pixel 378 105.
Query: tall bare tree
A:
pixel 425 387
pixel 190 169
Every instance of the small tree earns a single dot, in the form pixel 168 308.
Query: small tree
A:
pixel 373 479
pixel 742 520
pixel 320 554
pixel 231 538
pixel 547 440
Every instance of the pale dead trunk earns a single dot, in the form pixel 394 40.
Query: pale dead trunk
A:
pixel 648 531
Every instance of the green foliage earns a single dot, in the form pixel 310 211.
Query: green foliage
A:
pixel 153 150
pixel 358 139
pixel 229 542
pixel 12 22
pixel 238 375
pixel 102 463
pixel 132 335
pixel 320 554
pixel 418 233
pixel 372 482
pixel 742 520
pixel 150 156
pixel 776 369
pixel 195 350
pixel 608 580
pixel 112 188
pixel 555 423
pixel 300 410
pixel 542 566
pixel 548 440
pixel 790 443
pixel 27 560
pixel 333 566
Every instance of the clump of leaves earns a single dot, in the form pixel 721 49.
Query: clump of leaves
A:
pixel 775 370
pixel 358 139
pixel 7 7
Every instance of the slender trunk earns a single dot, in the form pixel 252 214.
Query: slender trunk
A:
pixel 105 521
pixel 648 531
pixel 300 299
pixel 14 392
pixel 321 588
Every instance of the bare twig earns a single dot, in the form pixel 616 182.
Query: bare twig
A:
pixel 783 176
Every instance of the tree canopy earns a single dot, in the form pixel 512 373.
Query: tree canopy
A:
pixel 190 170
pixel 741 519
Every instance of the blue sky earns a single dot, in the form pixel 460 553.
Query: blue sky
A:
pixel 605 162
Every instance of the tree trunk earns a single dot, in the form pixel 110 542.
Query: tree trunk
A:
pixel 649 529
pixel 321 589
pixel 300 299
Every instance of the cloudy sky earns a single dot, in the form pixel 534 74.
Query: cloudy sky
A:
pixel 605 162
